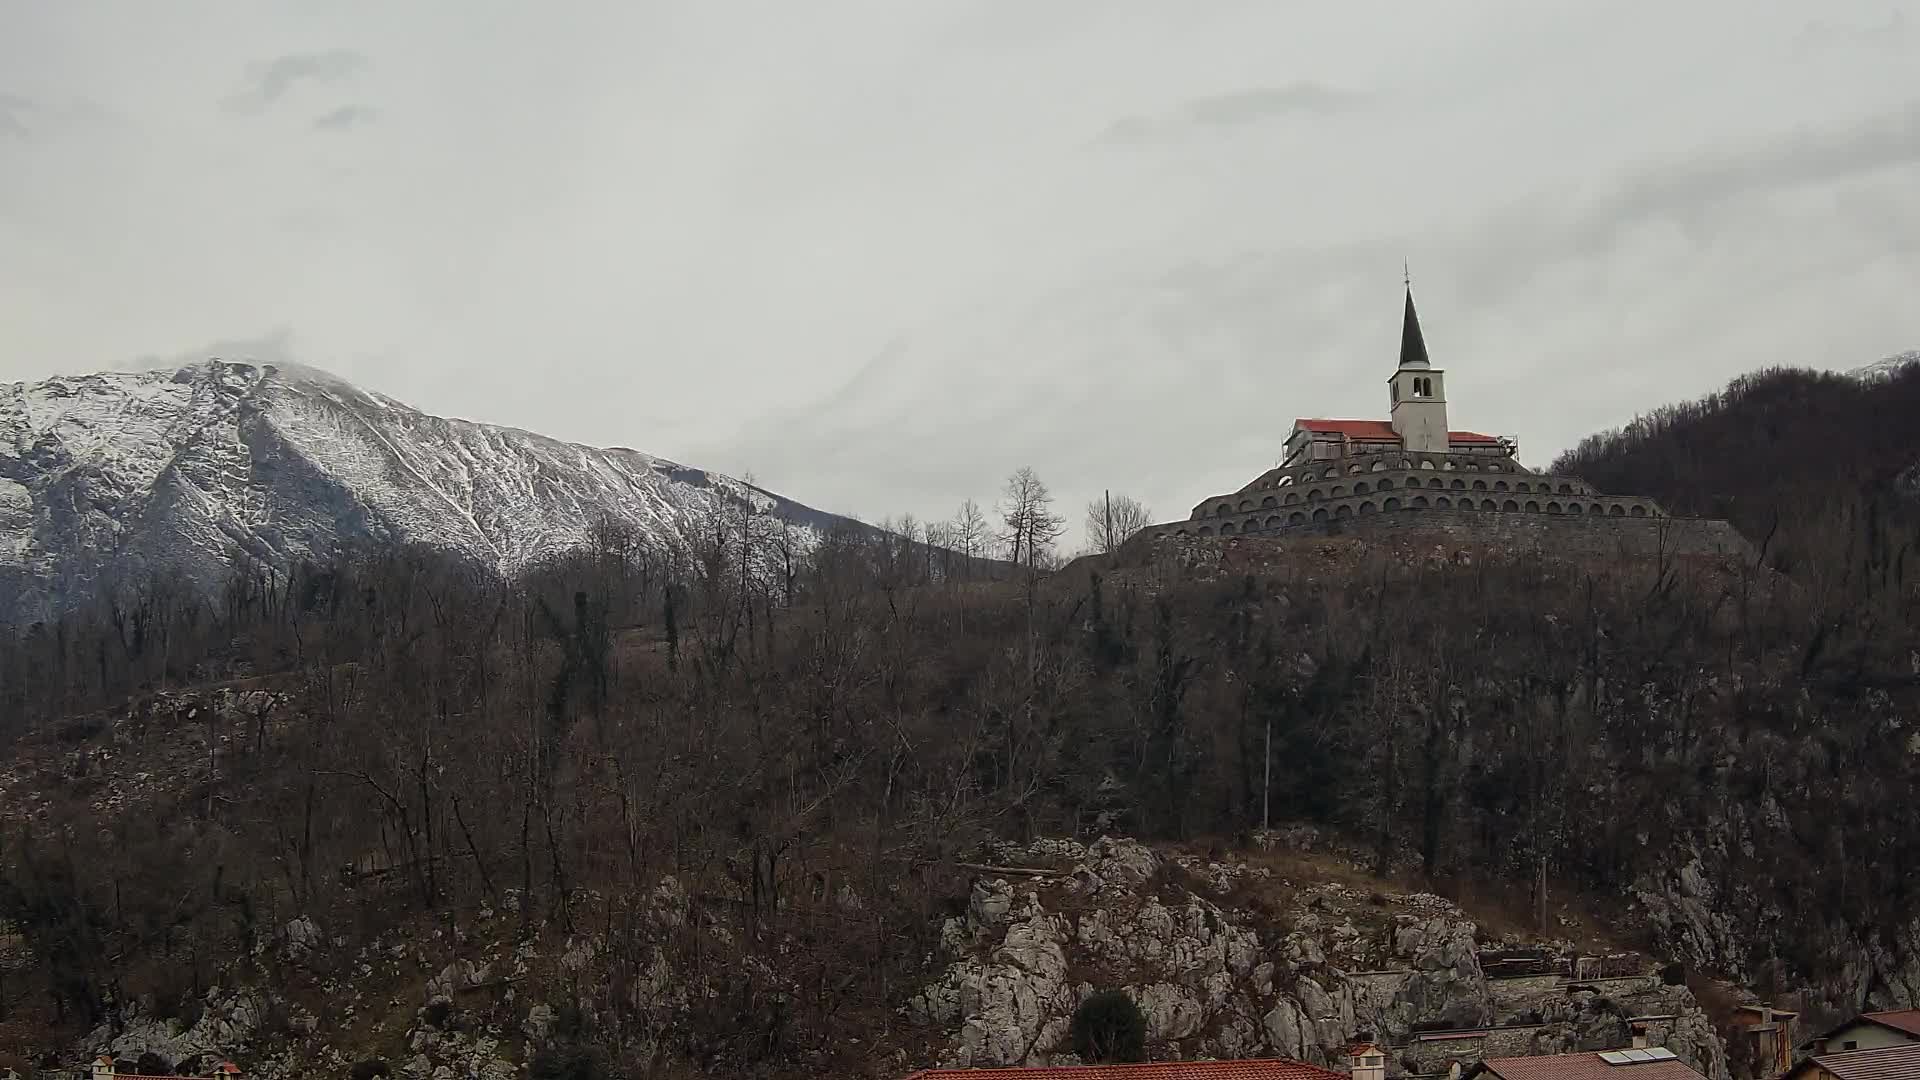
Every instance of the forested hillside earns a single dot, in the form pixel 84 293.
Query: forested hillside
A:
pixel 1808 463
pixel 401 748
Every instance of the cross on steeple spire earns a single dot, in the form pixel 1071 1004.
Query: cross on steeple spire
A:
pixel 1413 345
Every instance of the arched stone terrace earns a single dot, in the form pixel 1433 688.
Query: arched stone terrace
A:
pixel 1369 473
pixel 1407 500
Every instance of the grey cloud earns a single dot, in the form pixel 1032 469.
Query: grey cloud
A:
pixel 273 347
pixel 345 117
pixel 271 81
pixel 1890 34
pixel 1236 108
pixel 14 111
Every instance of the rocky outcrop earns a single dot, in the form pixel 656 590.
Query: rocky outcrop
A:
pixel 1216 980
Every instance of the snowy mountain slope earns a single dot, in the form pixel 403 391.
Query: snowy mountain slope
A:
pixel 173 471
pixel 1883 368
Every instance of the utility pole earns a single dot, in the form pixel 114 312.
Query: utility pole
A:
pixel 1266 775
pixel 1106 538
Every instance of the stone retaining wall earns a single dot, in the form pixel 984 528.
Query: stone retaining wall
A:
pixel 1586 537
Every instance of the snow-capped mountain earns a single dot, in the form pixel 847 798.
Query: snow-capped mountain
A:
pixel 104 476
pixel 1882 368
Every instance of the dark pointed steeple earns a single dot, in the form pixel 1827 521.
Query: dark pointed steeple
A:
pixel 1413 346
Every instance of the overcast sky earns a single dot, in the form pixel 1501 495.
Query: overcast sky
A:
pixel 880 253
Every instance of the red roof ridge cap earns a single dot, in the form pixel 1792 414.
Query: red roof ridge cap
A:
pixel 1203 1063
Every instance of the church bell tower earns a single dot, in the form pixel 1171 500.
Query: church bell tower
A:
pixel 1419 391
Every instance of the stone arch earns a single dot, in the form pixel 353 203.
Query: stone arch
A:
pixel 1338 490
pixel 1406 463
pixel 1596 508
pixel 1269 501
pixel 1639 511
pixel 1426 463
pixel 1360 488
pixel 1274 522
pixel 1566 489
pixel 1448 465
pixel 1368 507
pixel 1392 504
pixel 1223 508
pixel 1206 530
pixel 1226 528
pixel 1316 495
pixel 1418 502
pixel 1473 466
pixel 1329 474
pixel 1575 508
pixel 1385 482
pixel 1616 510
pixel 1283 481
pixel 1320 514
pixel 1553 507
pixel 1245 505
pixel 1510 506
pixel 1290 498
pixel 1466 504
pixel 1343 511
pixel 1533 506
pixel 1355 469
pixel 1479 485
pixel 1379 465
pixel 1436 482
pixel 1521 485
pixel 1442 503
pixel 1500 485
pixel 1296 518
pixel 1459 484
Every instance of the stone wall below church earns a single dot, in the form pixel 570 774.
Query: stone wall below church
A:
pixel 1585 537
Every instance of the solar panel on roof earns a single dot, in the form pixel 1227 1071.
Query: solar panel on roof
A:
pixel 1615 1057
pixel 1660 1053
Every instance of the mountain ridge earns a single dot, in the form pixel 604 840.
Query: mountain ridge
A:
pixel 176 470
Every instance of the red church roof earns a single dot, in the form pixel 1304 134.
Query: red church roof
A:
pixel 1265 1069
pixel 1352 429
pixel 1380 431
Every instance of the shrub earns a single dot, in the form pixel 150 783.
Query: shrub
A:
pixel 1108 1028
pixel 573 1062
pixel 152 1064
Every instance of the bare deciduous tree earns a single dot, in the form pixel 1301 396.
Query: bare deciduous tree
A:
pixel 1111 519
pixel 1030 526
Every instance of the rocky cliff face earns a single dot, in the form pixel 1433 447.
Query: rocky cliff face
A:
pixel 113 476
pixel 1225 959
pixel 1218 980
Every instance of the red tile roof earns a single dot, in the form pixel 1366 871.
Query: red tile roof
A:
pixel 1379 431
pixel 1585 1066
pixel 1886 1063
pixel 1907 1020
pixel 1264 1069
pixel 1352 429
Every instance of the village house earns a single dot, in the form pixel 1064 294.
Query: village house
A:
pixel 1898 1061
pixel 1872 1031
pixel 1260 1069
pixel 1638 1063
pixel 105 1068
pixel 1764 1035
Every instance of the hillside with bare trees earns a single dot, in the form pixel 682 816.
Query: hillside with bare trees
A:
pixel 717 804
